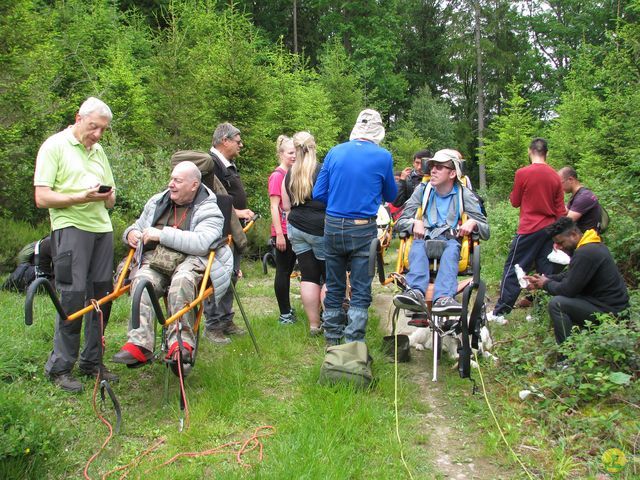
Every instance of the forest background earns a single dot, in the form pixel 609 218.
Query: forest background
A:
pixel 481 76
pixel 172 70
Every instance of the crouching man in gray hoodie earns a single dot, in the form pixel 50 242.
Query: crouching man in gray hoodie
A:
pixel 182 222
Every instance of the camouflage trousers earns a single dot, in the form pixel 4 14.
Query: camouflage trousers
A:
pixel 182 287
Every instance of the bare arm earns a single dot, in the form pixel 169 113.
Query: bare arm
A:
pixel 286 201
pixel 575 216
pixel 47 198
pixel 281 243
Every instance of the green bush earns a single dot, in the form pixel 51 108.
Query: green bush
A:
pixel 27 438
pixel 17 234
pixel 602 359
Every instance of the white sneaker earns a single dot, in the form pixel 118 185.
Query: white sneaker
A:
pixel 499 319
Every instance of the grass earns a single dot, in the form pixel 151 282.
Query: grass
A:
pixel 320 432
pixel 554 441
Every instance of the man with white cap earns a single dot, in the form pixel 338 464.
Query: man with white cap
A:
pixel 356 177
pixel 434 212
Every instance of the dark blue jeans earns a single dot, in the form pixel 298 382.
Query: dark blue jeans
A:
pixel 347 247
pixel 446 283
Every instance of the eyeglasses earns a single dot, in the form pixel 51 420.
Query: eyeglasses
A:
pixel 239 142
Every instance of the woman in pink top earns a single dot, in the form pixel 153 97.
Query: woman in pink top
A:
pixel 285 257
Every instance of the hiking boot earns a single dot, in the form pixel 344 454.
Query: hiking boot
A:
pixel 524 302
pixel 332 342
pixel 67 382
pixel 132 355
pixel 287 318
pixel 419 320
pixel 217 337
pixel 446 306
pixel 233 329
pixel 411 299
pixel 104 371
pixel 186 353
pixel 315 331
pixel 562 365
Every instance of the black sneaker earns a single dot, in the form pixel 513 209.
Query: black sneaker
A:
pixel 105 374
pixel 67 382
pixel 411 299
pixel 446 306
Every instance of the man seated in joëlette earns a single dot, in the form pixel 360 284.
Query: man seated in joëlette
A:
pixel 185 218
pixel 435 213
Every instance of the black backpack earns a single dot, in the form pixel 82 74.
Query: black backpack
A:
pixel 20 278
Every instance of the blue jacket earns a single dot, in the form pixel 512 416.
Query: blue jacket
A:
pixel 355 179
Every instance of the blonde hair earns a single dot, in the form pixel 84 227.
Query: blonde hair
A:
pixel 304 167
pixel 281 143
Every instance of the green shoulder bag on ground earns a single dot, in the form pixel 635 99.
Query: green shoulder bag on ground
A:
pixel 349 363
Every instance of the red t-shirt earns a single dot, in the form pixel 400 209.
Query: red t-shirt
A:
pixel 275 187
pixel 537 190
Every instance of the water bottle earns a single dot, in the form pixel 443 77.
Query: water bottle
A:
pixel 520 274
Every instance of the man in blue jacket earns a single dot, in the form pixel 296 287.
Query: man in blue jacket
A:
pixel 355 179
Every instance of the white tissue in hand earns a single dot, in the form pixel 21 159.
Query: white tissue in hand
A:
pixel 559 257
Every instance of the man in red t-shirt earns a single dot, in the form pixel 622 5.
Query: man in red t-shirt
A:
pixel 537 191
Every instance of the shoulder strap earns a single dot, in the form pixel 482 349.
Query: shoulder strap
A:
pixel 425 199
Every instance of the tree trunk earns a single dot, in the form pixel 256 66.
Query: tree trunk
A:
pixel 481 166
pixel 295 27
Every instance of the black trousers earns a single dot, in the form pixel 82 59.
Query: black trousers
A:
pixel 566 312
pixel 83 267
pixel 285 261
pixel 526 250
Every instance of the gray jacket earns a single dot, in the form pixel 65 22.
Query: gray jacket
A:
pixel 204 228
pixel 471 208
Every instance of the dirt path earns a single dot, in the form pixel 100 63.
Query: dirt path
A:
pixel 455 455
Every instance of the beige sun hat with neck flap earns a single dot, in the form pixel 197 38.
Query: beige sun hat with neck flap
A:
pixel 368 127
pixel 448 155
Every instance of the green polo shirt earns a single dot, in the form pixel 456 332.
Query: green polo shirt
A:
pixel 65 165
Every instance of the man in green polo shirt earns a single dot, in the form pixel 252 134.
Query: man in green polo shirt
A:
pixel 73 180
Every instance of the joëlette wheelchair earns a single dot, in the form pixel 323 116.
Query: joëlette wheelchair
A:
pixel 174 359
pixel 467 326
pixel 175 362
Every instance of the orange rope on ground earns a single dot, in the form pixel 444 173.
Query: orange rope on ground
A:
pixel 133 463
pixel 96 306
pixel 254 440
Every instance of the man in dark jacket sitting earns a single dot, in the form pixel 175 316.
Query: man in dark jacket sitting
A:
pixel 591 284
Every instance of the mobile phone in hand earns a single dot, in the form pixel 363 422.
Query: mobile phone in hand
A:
pixel 104 189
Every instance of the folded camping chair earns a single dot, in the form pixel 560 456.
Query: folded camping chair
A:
pixel 473 315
